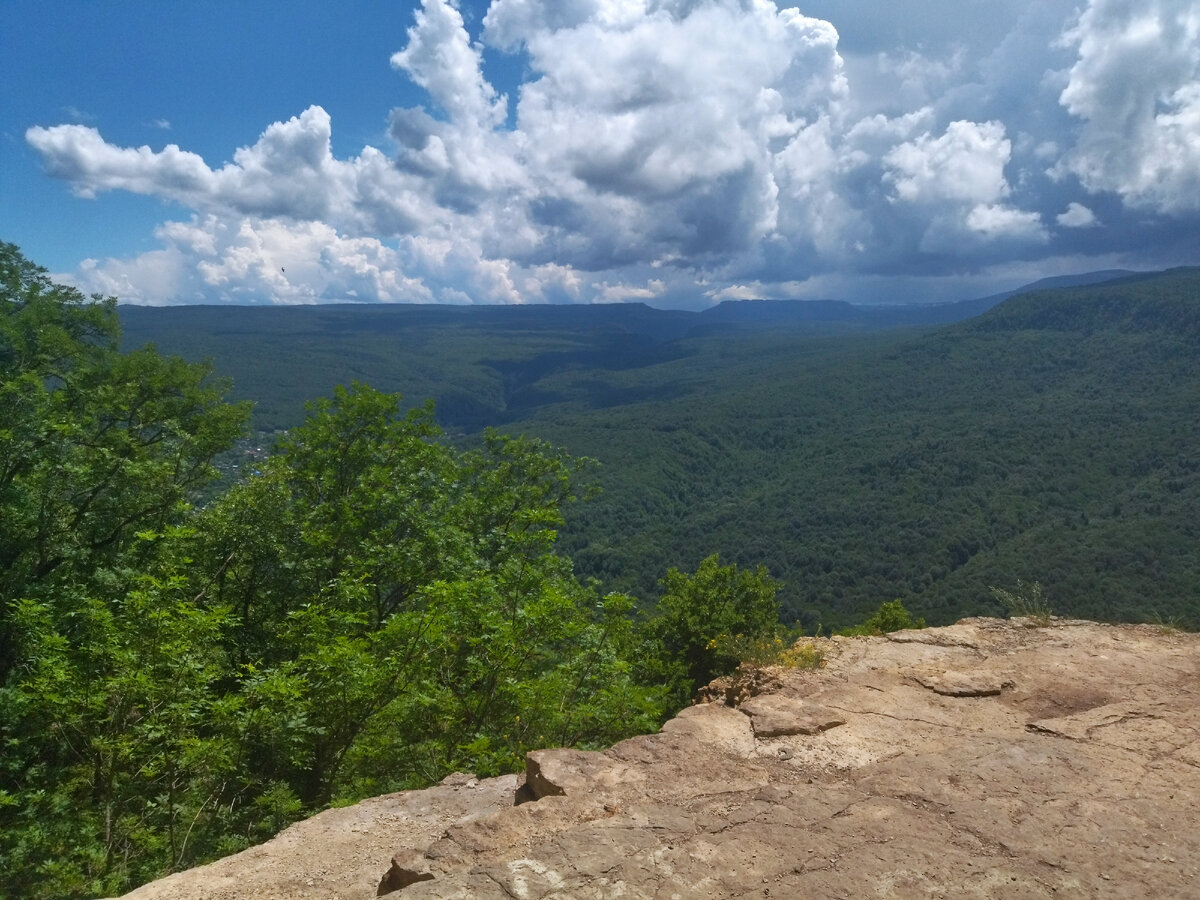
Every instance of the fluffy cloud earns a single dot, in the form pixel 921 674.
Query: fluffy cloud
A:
pixel 680 151
pixel 1076 215
pixel 960 174
pixel 1136 86
pixel 255 260
pixel 289 172
pixel 622 293
pixel 647 132
pixel 440 58
pixel 965 164
pixel 77 154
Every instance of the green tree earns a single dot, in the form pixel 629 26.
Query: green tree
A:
pixel 95 445
pixel 113 747
pixel 401 608
pixel 695 610
pixel 108 656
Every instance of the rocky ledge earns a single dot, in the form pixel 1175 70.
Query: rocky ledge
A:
pixel 986 759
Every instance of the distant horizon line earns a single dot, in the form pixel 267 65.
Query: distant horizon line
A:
pixel 1098 276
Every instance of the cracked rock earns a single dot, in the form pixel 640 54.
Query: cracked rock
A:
pixel 408 867
pixel 1079 781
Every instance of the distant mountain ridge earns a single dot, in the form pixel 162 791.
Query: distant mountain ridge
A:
pixel 141 323
pixel 491 365
pixel 1168 300
pixel 765 313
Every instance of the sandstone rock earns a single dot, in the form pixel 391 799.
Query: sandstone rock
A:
pixel 772 715
pixel 964 634
pixel 965 684
pixel 984 760
pixel 555 773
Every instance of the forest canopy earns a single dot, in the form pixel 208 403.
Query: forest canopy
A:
pixel 1051 438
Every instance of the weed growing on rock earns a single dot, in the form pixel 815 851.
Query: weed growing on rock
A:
pixel 1026 602
pixel 1168 625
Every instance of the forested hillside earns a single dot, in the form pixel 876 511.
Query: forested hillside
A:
pixel 481 365
pixel 1051 438
pixel 929 468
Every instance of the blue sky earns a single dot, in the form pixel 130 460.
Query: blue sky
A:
pixel 675 152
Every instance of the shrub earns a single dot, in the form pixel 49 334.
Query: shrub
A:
pixel 780 649
pixel 888 618
pixel 694 610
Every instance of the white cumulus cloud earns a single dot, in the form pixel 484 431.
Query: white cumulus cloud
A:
pixel 680 151
pixel 1076 215
pixel 289 172
pixel 960 175
pixel 1136 88
pixel 255 260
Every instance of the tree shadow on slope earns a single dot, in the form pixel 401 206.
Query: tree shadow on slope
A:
pixel 524 392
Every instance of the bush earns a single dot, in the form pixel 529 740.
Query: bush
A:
pixel 888 618
pixel 694 610
pixel 781 649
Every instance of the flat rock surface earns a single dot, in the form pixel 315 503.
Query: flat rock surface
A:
pixel 987 759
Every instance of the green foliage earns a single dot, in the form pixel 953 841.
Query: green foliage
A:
pixel 371 609
pixel 94 445
pixel 1026 602
pixel 108 656
pixel 695 610
pixel 400 606
pixel 110 712
pixel 784 648
pixel 891 616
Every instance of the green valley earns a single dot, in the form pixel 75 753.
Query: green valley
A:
pixel 859 456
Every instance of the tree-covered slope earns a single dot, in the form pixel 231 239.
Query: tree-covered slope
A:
pixel 1161 301
pixel 1052 438
pixel 482 365
pixel 928 468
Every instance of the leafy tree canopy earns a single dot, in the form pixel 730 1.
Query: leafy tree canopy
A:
pixel 95 445
pixel 694 611
pixel 370 610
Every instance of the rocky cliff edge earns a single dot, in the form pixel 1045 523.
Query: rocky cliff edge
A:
pixel 986 759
